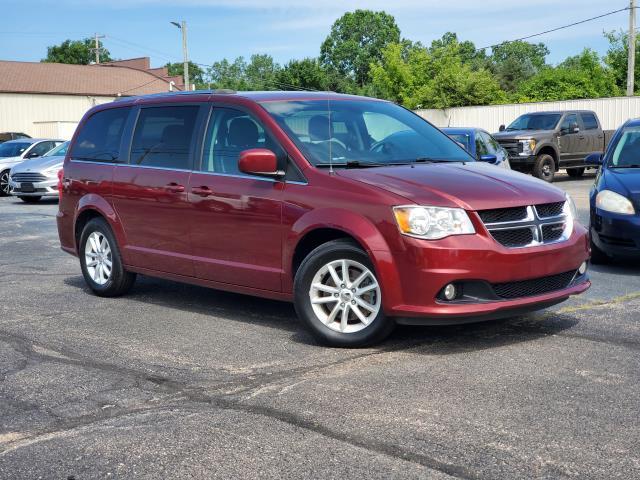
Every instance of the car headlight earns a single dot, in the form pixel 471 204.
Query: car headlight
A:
pixel 569 208
pixel 52 171
pixel 528 146
pixel 432 223
pixel 614 202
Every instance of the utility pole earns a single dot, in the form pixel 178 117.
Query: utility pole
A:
pixel 97 50
pixel 631 61
pixel 185 53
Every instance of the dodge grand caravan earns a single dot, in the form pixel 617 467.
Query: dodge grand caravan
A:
pixel 357 210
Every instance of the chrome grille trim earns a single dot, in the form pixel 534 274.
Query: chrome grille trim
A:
pixel 33 177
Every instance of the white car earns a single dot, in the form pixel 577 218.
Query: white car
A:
pixel 14 152
pixel 38 177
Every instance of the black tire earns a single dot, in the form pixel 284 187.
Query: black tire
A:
pixel 119 281
pixel 575 172
pixel 545 167
pixel 4 183
pixel 30 199
pixel 375 330
pixel 598 257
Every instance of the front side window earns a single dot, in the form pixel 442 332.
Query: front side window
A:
pixel 163 137
pixel 569 120
pixel 41 148
pixel 354 132
pixel 535 121
pixel 627 150
pixel 59 151
pixel 13 149
pixel 481 145
pixel 493 147
pixel 230 132
pixel 100 136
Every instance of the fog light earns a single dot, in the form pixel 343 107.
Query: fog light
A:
pixel 583 268
pixel 450 292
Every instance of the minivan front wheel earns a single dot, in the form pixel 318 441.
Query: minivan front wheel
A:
pixel 101 262
pixel 338 297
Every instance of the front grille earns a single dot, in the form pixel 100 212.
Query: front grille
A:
pixel 536 286
pixel 547 210
pixel 32 177
pixel 501 215
pixel 553 231
pixel 514 237
pixel 513 148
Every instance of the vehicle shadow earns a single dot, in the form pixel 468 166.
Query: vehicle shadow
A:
pixel 563 177
pixel 433 340
pixel 618 267
pixel 42 201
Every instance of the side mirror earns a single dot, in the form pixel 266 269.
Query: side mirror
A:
pixel 31 155
pixel 259 161
pixel 489 158
pixel 502 128
pixel 594 158
pixel 573 128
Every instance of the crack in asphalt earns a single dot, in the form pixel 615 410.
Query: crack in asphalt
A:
pixel 178 392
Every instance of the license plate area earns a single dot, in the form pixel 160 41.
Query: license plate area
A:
pixel 27 187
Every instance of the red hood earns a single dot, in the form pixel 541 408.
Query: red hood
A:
pixel 472 186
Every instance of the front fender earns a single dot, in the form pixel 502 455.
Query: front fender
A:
pixel 362 230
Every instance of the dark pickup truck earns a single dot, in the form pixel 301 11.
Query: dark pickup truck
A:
pixel 542 143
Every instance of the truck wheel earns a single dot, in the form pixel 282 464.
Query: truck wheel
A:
pixel 338 298
pixel 575 172
pixel 545 167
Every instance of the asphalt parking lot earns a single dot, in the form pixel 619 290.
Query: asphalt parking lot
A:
pixel 177 381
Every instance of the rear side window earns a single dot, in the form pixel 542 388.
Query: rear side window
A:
pixel 163 137
pixel 99 139
pixel 590 122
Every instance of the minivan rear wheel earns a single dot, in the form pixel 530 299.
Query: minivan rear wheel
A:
pixel 338 297
pixel 101 262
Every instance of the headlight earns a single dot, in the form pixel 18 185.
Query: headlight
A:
pixel 433 223
pixel 528 146
pixel 570 207
pixel 52 171
pixel 614 202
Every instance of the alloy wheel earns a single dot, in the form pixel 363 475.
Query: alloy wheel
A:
pixel 345 296
pixel 4 183
pixel 98 258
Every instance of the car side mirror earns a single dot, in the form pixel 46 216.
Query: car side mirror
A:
pixel 594 158
pixel 31 155
pixel 573 128
pixel 489 158
pixel 502 128
pixel 259 161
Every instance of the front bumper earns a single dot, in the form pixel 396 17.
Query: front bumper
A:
pixel 46 188
pixel 522 162
pixel 424 268
pixel 616 235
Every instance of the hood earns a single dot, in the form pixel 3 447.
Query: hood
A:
pixel 9 160
pixel 38 164
pixel 625 181
pixel 472 186
pixel 520 134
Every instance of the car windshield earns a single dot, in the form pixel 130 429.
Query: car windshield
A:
pixel 59 151
pixel 535 121
pixel 364 132
pixel 462 138
pixel 627 151
pixel 10 149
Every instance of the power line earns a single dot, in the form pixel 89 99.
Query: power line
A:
pixel 558 28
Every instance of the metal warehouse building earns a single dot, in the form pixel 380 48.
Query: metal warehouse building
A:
pixel 49 99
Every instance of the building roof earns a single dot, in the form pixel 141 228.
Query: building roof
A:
pixel 120 78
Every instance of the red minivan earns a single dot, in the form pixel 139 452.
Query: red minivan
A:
pixel 357 210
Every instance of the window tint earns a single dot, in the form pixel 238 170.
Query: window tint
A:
pixel 42 148
pixel 99 139
pixel 493 147
pixel 568 120
pixel 461 138
pixel 163 137
pixel 590 122
pixel 230 132
pixel 481 147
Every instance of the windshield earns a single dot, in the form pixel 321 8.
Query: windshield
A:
pixel 361 132
pixel 461 138
pixel 627 151
pixel 10 149
pixel 535 121
pixel 59 151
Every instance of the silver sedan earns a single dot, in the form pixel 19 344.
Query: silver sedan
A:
pixel 36 178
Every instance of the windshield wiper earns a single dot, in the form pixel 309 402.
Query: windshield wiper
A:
pixel 436 160
pixel 352 164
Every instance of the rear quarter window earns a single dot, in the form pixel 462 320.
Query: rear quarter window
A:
pixel 100 136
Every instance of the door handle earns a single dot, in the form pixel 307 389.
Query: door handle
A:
pixel 202 191
pixel 581 137
pixel 174 188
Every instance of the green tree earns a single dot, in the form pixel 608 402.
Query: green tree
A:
pixel 77 52
pixel 466 50
pixel 225 74
pixel 616 58
pixel 432 78
pixel 306 74
pixel 580 76
pixel 357 40
pixel 260 72
pixel 196 74
pixel 515 62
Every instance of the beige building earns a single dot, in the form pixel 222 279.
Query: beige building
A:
pixel 49 99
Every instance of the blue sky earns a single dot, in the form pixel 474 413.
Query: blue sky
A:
pixel 287 29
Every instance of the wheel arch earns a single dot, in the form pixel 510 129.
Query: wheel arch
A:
pixel 94 206
pixel 549 149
